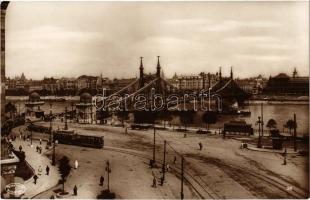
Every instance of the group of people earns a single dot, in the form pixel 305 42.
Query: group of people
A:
pixel 47 172
pixel 39 149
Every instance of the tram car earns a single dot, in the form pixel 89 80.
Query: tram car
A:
pixel 238 127
pixel 38 128
pixel 79 140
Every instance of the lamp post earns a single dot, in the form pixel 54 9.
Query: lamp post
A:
pixel 182 177
pixel 31 138
pixel 66 124
pixel 108 170
pixel 259 142
pixel 71 115
pixel 154 142
pixel 50 140
pixel 164 162
pixel 54 152
pixel 210 88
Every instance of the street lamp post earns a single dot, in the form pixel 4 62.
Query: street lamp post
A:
pixel 164 162
pixel 66 124
pixel 108 169
pixel 50 140
pixel 210 88
pixel 154 142
pixel 182 177
pixel 295 134
pixel 54 156
pixel 31 138
pixel 259 142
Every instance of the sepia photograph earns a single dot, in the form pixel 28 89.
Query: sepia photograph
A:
pixel 155 99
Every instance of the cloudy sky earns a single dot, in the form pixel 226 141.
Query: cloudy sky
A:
pixel 74 38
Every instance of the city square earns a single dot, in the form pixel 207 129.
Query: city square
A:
pixel 153 124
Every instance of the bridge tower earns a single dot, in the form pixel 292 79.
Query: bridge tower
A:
pixel 158 68
pixel 141 79
pixel 220 74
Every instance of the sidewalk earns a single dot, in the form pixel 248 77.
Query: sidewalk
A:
pixel 35 160
pixel 254 148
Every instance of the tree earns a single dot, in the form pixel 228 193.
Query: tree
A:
pixel 122 115
pixel 141 117
pixel 165 116
pixel 209 117
pixel 10 108
pixel 186 117
pixel 64 170
pixel 290 124
pixel 271 124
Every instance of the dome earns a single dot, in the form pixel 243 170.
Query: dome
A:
pixel 34 97
pixel 85 98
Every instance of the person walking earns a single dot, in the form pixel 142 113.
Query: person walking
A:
pixel 284 157
pixel 167 167
pixel 47 169
pixel 101 181
pixel 200 146
pixel 20 148
pixel 174 160
pixel 76 164
pixel 154 182
pixel 35 178
pixel 40 170
pixel 75 190
pixel 40 141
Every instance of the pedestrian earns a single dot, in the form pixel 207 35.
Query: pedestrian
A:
pixel 40 141
pixel 76 164
pixel 37 148
pixel 101 181
pixel 24 137
pixel 35 178
pixel 200 146
pixel 39 170
pixel 185 135
pixel 154 182
pixel 40 150
pixel 75 190
pixel 284 156
pixel 168 167
pixel 47 169
pixel 20 148
pixel 174 160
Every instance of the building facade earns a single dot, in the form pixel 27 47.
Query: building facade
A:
pixel 282 84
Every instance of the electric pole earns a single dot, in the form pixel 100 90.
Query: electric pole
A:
pixel 259 142
pixel 262 114
pixel 164 163
pixel 182 177
pixel 154 139
pixel 50 123
pixel 66 124
pixel 108 169
pixel 295 134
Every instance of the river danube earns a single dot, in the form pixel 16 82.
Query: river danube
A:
pixel 280 112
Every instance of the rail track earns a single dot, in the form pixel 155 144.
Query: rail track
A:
pixel 203 189
pixel 198 185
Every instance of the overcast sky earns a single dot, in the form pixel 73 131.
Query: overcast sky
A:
pixel 74 38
